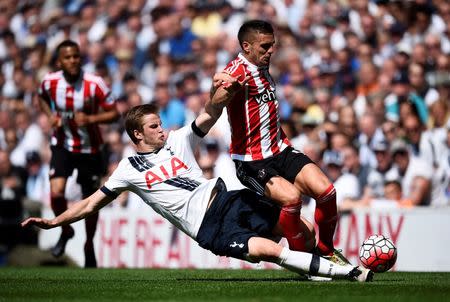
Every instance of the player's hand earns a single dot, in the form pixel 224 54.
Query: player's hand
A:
pixel 39 222
pixel 222 78
pixel 55 121
pixel 10 182
pixel 82 119
pixel 228 82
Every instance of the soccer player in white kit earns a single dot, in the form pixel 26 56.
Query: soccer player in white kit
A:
pixel 165 174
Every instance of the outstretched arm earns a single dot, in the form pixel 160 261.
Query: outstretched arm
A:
pixel 78 211
pixel 223 89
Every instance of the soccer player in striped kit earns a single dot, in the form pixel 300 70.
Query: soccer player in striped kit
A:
pixel 264 158
pixel 76 102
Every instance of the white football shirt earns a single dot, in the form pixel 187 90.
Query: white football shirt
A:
pixel 169 180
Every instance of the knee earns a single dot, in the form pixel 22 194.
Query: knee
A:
pixel 292 201
pixel 312 181
pixel 290 197
pixel 282 191
pixel 261 249
pixel 56 194
pixel 57 190
pixel 328 193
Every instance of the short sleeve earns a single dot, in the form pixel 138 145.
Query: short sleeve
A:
pixel 184 138
pixel 104 95
pixel 117 182
pixel 42 91
pixel 237 72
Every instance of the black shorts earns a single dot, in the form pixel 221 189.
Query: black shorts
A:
pixel 256 174
pixel 90 168
pixel 233 218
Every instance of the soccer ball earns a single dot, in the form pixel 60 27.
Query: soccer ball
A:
pixel 378 253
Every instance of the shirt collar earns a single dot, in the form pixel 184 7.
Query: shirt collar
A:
pixel 251 66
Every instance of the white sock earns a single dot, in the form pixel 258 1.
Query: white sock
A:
pixel 306 263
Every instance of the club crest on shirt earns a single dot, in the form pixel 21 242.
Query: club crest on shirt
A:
pixel 66 114
pixel 262 173
pixel 235 244
pixel 170 150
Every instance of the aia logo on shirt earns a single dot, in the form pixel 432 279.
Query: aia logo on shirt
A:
pixel 162 173
pixel 266 96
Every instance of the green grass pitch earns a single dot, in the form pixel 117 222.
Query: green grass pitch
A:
pixel 76 284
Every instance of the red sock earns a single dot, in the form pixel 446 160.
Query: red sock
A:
pixel 325 216
pixel 58 204
pixel 90 226
pixel 290 224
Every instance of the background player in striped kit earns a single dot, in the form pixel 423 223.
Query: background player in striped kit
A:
pixel 76 103
pixel 265 161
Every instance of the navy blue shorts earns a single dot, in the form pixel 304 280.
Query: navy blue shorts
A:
pixel 256 174
pixel 233 218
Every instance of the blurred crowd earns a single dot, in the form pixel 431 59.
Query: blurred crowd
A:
pixel 363 86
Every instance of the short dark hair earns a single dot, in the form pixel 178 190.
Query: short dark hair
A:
pixel 66 43
pixel 160 12
pixel 253 26
pixel 133 118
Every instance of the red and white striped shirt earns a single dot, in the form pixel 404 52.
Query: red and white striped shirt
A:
pixel 87 95
pixel 253 114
